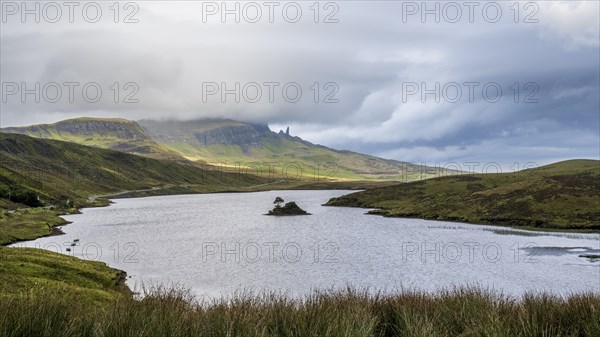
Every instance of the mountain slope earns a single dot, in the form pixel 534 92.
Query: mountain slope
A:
pixel 114 134
pixel 55 171
pixel 227 142
pixel 564 195
pixel 231 144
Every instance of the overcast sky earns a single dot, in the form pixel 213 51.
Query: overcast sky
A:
pixel 371 62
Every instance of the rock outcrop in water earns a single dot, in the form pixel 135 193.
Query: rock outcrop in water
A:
pixel 291 208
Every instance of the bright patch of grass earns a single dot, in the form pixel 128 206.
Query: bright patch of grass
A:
pixel 28 224
pixel 27 272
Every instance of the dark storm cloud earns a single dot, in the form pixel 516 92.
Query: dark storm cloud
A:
pixel 370 55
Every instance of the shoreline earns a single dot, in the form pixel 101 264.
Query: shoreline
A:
pixel 375 211
pixel 121 279
pixel 104 201
pixel 517 227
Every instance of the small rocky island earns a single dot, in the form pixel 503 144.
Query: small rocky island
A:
pixel 290 208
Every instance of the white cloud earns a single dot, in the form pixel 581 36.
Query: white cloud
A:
pixel 577 22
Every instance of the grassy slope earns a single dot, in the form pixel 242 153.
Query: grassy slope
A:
pixel 564 195
pixel 177 141
pixel 107 133
pixel 29 271
pixel 57 170
pixel 280 150
pixel 28 224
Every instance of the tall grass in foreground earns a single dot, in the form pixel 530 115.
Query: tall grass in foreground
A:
pixel 163 312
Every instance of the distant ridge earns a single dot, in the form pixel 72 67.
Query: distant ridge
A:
pixel 109 133
pixel 227 142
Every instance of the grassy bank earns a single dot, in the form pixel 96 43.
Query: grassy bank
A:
pixel 27 271
pixel 28 224
pixel 19 222
pixel 348 313
pixel 561 196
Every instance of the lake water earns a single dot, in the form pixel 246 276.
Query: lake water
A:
pixel 217 244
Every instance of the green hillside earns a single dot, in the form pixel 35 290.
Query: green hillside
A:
pixel 564 195
pixel 110 133
pixel 30 272
pixel 57 171
pixel 230 144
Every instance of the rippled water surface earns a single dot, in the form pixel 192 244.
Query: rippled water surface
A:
pixel 221 243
